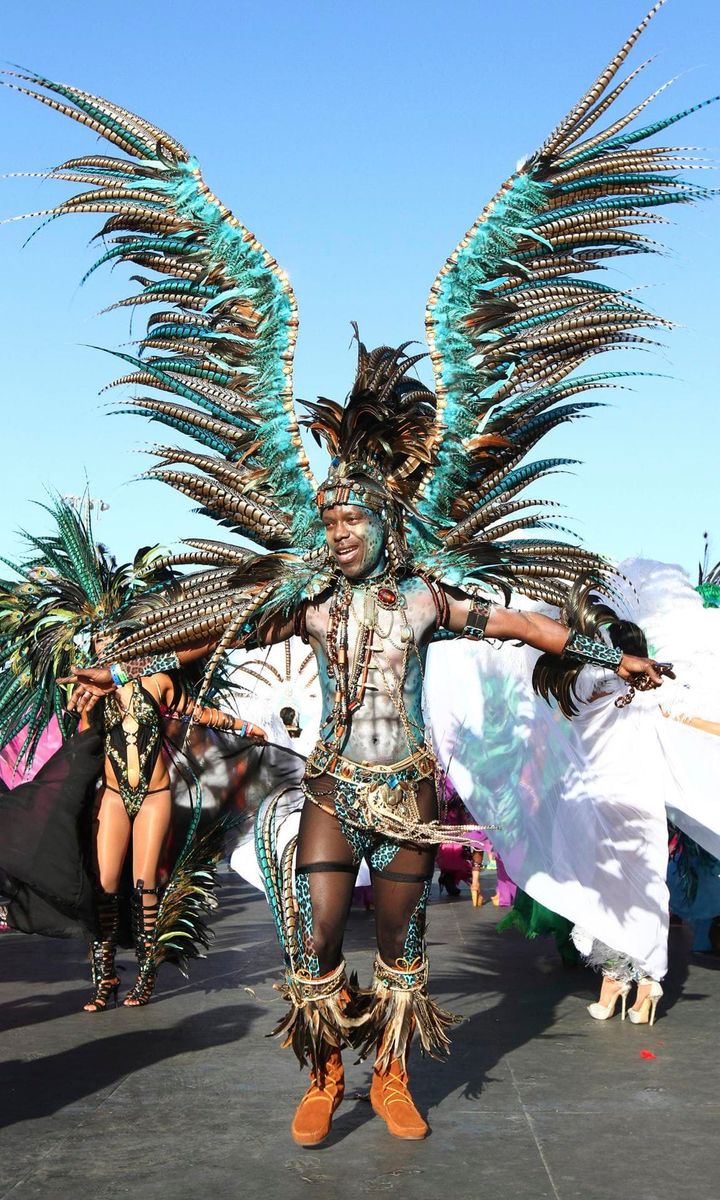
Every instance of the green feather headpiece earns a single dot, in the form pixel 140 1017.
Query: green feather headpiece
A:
pixel 70 588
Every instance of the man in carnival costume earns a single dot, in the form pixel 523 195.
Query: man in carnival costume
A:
pixel 411 536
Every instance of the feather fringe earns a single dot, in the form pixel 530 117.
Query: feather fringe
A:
pixel 323 1015
pixel 181 932
pixel 394 1009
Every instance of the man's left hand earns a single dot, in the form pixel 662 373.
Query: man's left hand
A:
pixel 644 673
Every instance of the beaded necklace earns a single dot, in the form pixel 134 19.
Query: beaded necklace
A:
pixel 350 671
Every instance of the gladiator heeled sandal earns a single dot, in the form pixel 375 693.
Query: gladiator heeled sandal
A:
pixel 102 956
pixel 144 920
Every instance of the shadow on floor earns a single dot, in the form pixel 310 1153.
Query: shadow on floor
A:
pixel 43 1086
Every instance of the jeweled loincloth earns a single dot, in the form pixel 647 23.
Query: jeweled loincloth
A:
pixel 383 797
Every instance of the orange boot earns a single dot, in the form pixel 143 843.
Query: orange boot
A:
pixel 391 1100
pixel 399 1006
pixel 313 1118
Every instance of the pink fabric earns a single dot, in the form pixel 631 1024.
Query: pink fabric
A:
pixel 50 741
pixel 505 887
pixel 453 859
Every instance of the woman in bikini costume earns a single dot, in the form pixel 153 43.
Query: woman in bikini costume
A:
pixel 61 877
pixel 134 803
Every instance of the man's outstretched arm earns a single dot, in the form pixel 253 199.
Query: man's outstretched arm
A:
pixel 472 618
pixel 93 683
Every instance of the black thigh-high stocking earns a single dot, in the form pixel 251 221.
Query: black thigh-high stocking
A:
pixel 325 870
pixel 400 893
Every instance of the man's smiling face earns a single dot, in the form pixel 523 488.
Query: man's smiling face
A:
pixel 356 538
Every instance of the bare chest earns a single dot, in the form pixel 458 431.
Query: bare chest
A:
pixel 390 623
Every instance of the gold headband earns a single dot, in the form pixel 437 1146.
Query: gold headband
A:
pixel 350 491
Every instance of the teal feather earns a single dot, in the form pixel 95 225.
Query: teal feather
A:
pixel 637 135
pixel 248 310
pixel 266 852
pixel 182 389
pixel 190 430
pixel 511 314
pixel 522 476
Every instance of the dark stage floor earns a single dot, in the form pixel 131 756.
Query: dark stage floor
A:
pixel 185 1099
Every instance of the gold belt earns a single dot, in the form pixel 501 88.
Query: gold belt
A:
pixel 323 760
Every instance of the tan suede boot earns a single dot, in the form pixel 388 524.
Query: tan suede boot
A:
pixel 313 1119
pixel 391 1100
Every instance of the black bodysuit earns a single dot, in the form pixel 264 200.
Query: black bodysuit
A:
pixel 147 738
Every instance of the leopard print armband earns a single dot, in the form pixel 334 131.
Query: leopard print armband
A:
pixel 151 664
pixel 581 649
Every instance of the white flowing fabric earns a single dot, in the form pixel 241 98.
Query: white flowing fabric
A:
pixel 614 807
pixel 581 806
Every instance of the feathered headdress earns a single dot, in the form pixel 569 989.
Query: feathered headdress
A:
pixel 380 441
pixel 70 589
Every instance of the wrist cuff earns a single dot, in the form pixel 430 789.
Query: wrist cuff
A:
pixel 582 649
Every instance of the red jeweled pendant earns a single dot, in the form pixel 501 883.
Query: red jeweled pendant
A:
pixel 387 597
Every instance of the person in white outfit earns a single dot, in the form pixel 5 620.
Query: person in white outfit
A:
pixel 616 796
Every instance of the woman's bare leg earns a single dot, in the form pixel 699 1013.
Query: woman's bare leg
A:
pixel 112 838
pixel 149 833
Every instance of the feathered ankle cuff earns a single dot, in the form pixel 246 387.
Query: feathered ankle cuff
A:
pixel 321 1016
pixel 398 1005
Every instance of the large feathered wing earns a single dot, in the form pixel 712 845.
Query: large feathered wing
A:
pixel 218 348
pixel 513 313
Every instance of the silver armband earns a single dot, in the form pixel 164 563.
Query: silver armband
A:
pixel 477 620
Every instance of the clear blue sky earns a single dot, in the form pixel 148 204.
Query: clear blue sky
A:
pixel 358 141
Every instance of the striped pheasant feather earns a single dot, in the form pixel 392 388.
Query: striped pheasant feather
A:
pixel 514 313
pixel 220 338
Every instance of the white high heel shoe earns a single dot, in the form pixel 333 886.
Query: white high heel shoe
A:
pixel 645 1014
pixel 603 1012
